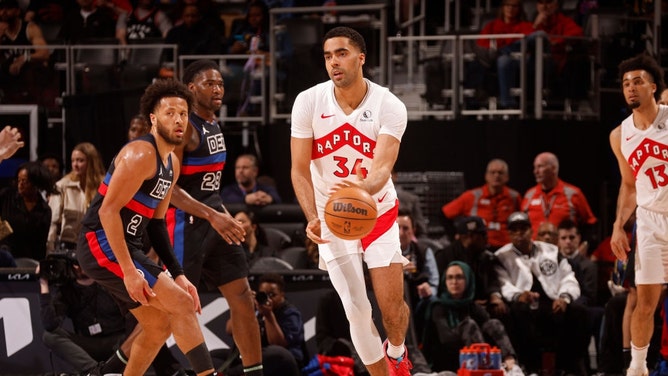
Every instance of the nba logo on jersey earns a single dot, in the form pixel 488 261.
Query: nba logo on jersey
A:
pixel 161 188
pixel 216 143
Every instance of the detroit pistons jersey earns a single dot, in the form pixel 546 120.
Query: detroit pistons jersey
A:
pixel 138 211
pixel 646 151
pixel 344 143
pixel 201 168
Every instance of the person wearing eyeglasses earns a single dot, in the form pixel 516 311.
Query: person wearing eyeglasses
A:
pixel 455 320
pixel 541 289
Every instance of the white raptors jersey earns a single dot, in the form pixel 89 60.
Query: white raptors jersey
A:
pixel 343 143
pixel 646 151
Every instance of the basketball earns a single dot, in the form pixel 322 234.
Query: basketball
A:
pixel 350 213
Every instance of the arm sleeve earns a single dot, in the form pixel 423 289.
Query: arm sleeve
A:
pixel 157 233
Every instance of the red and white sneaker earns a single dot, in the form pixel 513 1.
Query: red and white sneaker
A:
pixel 398 367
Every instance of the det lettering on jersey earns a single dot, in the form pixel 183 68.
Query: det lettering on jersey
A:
pixel 161 188
pixel 216 143
pixel 340 137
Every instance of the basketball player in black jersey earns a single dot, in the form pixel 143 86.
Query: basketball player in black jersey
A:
pixel 133 199
pixel 206 237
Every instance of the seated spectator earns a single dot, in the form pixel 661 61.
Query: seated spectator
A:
pixel 193 36
pixel 97 322
pixel 23 72
pixel 49 15
pixel 54 164
pixel 87 21
pixel 74 194
pixel 470 246
pixel 510 20
pixel 255 243
pixel 145 21
pixel 27 212
pixel 454 320
pixel 547 232
pixel 138 127
pixel 210 14
pixel 421 273
pixel 247 189
pixel 586 273
pixel 541 288
pixel 566 55
pixel 281 331
pixel 554 200
pixel 493 202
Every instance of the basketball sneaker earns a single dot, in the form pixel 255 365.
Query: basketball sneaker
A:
pixel 398 367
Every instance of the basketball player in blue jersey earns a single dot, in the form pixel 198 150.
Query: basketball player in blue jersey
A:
pixel 206 237
pixel 133 199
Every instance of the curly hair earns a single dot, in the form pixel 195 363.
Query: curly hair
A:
pixel 649 65
pixel 163 89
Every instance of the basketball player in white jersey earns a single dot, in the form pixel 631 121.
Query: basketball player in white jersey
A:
pixel 347 131
pixel 640 144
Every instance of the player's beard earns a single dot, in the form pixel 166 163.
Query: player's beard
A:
pixel 633 105
pixel 164 133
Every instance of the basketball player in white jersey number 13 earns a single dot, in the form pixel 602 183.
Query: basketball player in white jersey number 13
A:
pixel 640 144
pixel 347 131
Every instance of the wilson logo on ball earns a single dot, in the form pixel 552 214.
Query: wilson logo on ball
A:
pixel 349 208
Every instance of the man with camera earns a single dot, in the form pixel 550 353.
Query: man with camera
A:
pixel 281 331
pixel 67 292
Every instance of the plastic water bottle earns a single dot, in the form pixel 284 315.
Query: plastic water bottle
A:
pixel 495 358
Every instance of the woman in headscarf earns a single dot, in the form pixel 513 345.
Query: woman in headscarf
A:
pixel 454 320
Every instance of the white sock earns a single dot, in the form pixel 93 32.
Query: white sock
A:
pixel 397 351
pixel 638 357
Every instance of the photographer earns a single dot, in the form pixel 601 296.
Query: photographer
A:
pixel 281 331
pixel 66 292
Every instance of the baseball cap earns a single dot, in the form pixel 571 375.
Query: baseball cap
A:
pixel 518 219
pixel 468 225
pixel 6 4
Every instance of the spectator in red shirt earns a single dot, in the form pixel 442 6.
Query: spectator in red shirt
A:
pixel 552 199
pixel 510 20
pixel 493 202
pixel 566 54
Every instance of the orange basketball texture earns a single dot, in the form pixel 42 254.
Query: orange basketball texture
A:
pixel 350 213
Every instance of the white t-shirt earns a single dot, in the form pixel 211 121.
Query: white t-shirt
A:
pixel 646 151
pixel 340 141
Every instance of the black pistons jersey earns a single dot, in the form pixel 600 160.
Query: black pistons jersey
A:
pixel 201 169
pixel 136 214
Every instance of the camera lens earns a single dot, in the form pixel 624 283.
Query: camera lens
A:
pixel 262 297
